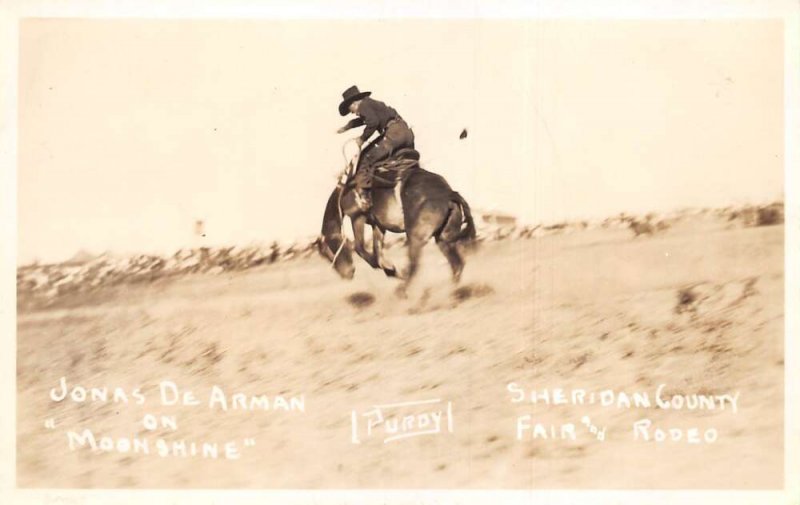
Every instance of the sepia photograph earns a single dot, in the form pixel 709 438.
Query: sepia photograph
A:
pixel 468 253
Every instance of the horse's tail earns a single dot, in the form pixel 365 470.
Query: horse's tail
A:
pixel 468 235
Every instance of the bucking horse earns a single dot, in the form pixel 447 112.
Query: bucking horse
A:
pixel 405 199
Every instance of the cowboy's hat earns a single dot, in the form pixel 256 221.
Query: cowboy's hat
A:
pixel 350 95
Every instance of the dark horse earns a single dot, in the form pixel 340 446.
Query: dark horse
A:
pixel 423 206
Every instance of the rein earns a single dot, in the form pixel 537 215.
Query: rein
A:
pixel 336 256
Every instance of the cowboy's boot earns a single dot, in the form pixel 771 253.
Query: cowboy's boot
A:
pixel 363 189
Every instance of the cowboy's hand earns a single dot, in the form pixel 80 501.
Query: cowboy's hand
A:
pixel 359 141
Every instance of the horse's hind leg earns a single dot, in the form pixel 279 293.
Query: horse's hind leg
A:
pixel 451 252
pixel 418 233
pixel 447 239
pixel 415 247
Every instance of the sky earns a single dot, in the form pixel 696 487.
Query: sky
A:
pixel 131 130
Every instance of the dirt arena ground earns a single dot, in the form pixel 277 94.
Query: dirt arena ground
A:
pixel 698 308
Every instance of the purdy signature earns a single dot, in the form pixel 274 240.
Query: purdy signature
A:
pixel 398 421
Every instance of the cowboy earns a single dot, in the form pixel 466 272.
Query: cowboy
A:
pixel 376 116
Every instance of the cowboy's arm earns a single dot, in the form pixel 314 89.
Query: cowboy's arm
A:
pixel 355 123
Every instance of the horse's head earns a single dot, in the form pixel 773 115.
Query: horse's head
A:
pixel 339 251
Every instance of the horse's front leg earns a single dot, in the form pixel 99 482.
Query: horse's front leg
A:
pixel 377 251
pixel 358 234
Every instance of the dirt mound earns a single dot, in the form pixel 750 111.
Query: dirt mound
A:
pixel 468 291
pixel 709 297
pixel 361 299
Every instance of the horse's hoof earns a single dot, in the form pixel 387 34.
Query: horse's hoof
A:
pixel 401 292
pixel 390 272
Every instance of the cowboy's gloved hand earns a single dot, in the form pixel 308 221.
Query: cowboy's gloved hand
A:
pixel 359 141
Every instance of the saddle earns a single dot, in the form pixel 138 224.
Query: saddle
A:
pixel 405 153
pixel 387 173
